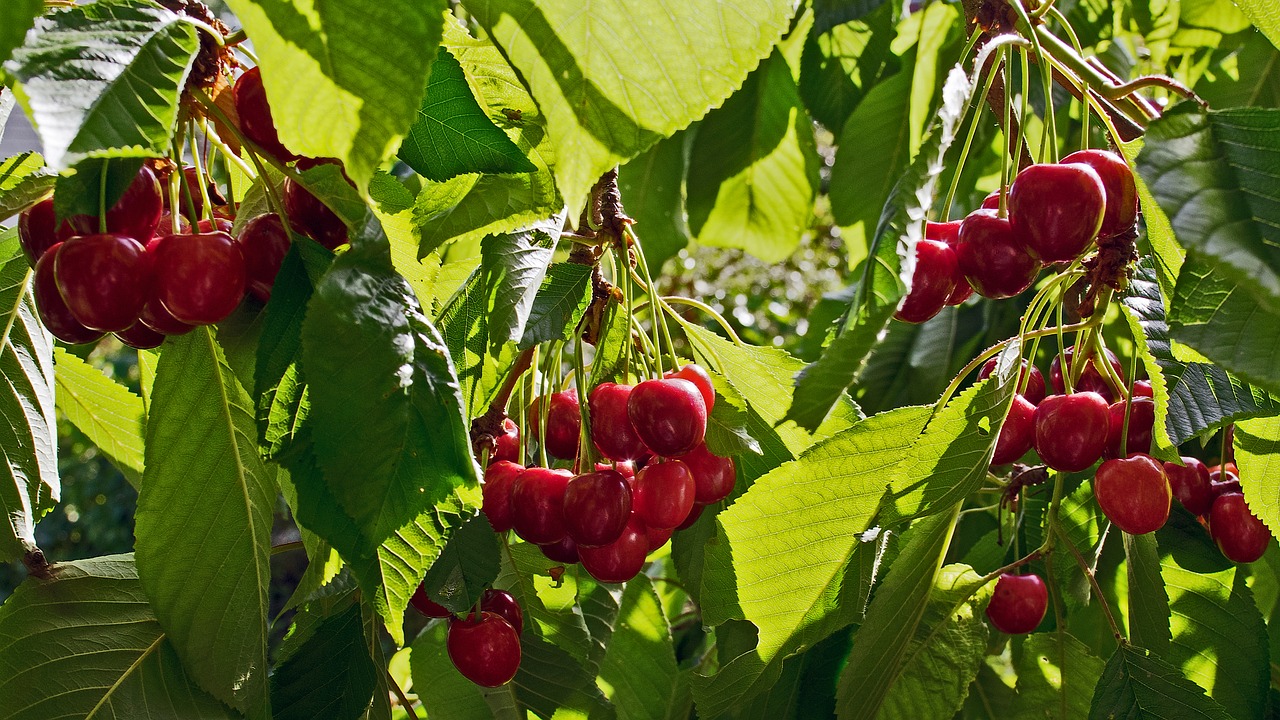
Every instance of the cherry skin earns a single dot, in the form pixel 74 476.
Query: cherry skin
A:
pixel 255 116
pixel 947 232
pixel 311 216
pixel 1190 484
pixel 658 537
pixel 992 257
pixel 105 280
pixel 1142 419
pixel 1017 606
pixel 669 415
pixel 664 494
pixel 1119 188
pixel 537 504
pixel 991 201
pixel 1071 430
pixel 564 423
pixel 694 514
pixel 486 650
pixel 199 278
pixel 713 476
pixel 597 506
pixel 507 445
pixel 37 231
pixel 218 224
pixel 565 551
pixel 1017 434
pixel 1057 209
pixel 611 428
pixel 263 243
pixel 157 318
pixel 932 282
pixel 1091 379
pixel 425 605
pixel 1034 391
pixel 1133 493
pixel 622 559
pixel 496 493
pixel 1222 482
pixel 1142 388
pixel 503 603
pixel 136 214
pixel 1240 535
pixel 140 337
pixel 52 309
pixel 699 376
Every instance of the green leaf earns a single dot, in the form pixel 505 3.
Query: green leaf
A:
pixel 1137 685
pixel 108 413
pixel 330 675
pixel 609 95
pixel 1056 677
pixel 830 13
pixel 840 65
pixel 559 305
pixel 1264 15
pixel 467 566
pixel 872 152
pixel 652 185
pixel 638 672
pixel 1256 81
pixel 16 18
pixel 81 191
pixel 452 134
pixel 104 79
pixel 1257 454
pixel 23 182
pixel 551 608
pixel 84 643
pixel 1148 599
pixel 753 168
pixel 204 521
pixel 345 78
pixel 551 680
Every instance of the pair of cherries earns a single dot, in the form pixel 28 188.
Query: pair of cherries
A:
pixel 1214 495
pixel 484 646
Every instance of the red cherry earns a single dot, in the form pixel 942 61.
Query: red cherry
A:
pixel 140 337
pixel 699 376
pixel 425 605
pixel 215 225
pixel 1017 434
pixel 503 603
pixel 947 232
pixel 611 428
pixel 1091 379
pixel 255 116
pixel 507 445
pixel 1142 419
pixel 1119 188
pixel 564 423
pixel 264 243
pixel 52 309
pixel 1222 482
pixel 669 415
pixel 713 476
pixel 565 551
pixel 1133 493
pixel 1034 391
pixel 991 201
pixel 664 494
pixel 627 468
pixel 496 493
pixel 165 227
pixel 596 507
pixel 932 282
pixel 1057 209
pixel 199 278
pixel 311 216
pixel 537 504
pixel 963 289
pixel 157 318
pixel 658 537
pixel 1071 430
pixel 486 650
pixel 992 257
pixel 1142 388
pixel 1017 606
pixel 136 214
pixel 105 280
pixel 36 230
pixel 622 559
pixel 694 514
pixel 1190 484
pixel 1240 535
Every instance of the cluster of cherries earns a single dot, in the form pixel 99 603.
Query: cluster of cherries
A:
pixel 485 644
pixel 658 477
pixel 1055 212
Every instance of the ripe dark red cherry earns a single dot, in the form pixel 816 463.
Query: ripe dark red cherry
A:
pixel 52 309
pixel 157 318
pixel 565 551
pixel 713 476
pixel 658 537
pixel 37 231
pixel 311 216
pixel 1017 606
pixel 1142 388
pixel 1133 493
pixel 1223 481
pixel 255 116
pixel 1091 379
pixel 503 603
pixel 992 257
pixel 1034 391
pixel 946 232
pixel 140 337
pixel 597 506
pixel 425 605
pixel 496 493
pixel 507 445
pixel 217 224
pixel 485 649
pixel 537 504
pixel 611 428
pixel 564 423
pixel 1071 430
pixel 622 559
pixel 1057 209
pixel 1190 484
pixel 1142 419
pixel 991 201
pixel 199 278
pixel 136 214
pixel 263 243
pixel 105 280
pixel 694 514
pixel 932 282
pixel 1240 535
pixel 1119 187
pixel 664 494
pixel 669 415
pixel 699 376
pixel 1017 434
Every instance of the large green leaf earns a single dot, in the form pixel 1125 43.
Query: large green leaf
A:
pixel 104 410
pixel 1141 686
pixel 552 682
pixel 1056 677
pixel 551 608
pixel 652 189
pixel 329 675
pixel 638 671
pixel 872 152
pixel 104 79
pixel 16 18
pixel 466 567
pixel 609 94
pixel 1148 610
pixel 1264 15
pixel 559 305
pixel 829 13
pixel 1257 448
pixel 345 78
pixel 84 643
pixel 840 65
pixel 204 521
pixel 23 182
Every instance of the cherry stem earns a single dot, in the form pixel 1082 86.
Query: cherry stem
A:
pixel 200 176
pixel 1093 582
pixel 286 547
pixel 102 199
pixel 1050 125
pixel 404 699
pixel 710 311
pixel 658 310
pixel 544 407
pixel 975 104
pixel 584 459
pixel 1005 160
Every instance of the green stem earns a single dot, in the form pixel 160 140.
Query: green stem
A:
pixel 200 175
pixel 710 311
pixel 585 460
pixel 102 198
pixel 1093 582
pixel 1005 160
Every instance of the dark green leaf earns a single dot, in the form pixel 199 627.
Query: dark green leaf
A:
pixel 330 675
pixel 1148 600
pixel 104 410
pixel 558 307
pixel 551 608
pixel 1056 677
pixel 873 150
pixel 550 679
pixel 81 192
pixel 467 566
pixel 1141 686
pixel 840 65
pixel 639 670
pixel 23 182
pixel 16 18
pixel 830 13
pixel 652 186
pixel 1256 82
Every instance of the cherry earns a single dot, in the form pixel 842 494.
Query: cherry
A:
pixel 1120 190
pixel 255 116
pixel 537 504
pixel 622 559
pixel 496 493
pixel 1017 606
pixel 1133 493
pixel 1142 419
pixel 947 232
pixel 992 257
pixel 157 318
pixel 1142 388
pixel 1190 484
pixel 713 476
pixel 37 231
pixel 1223 481
pixel 503 603
pixel 104 279
pixel 190 200
pixel 627 468
pixel 564 423
pixel 425 605
pixel 596 507
pixel 1018 433
pixel 699 376
pixel 991 201
pixel 1071 430
pixel 1240 535
pixel 485 649
pixel 932 282
pixel 218 224
pixel 1057 209
pixel 664 494
pixel 694 514
pixel 140 337
pixel 669 415
pixel 308 214
pixel 1034 391
pixel 136 214
pixel 963 289
pixel 658 537
pixel 507 445
pixel 264 243
pixel 199 278
pixel 611 428
pixel 1091 379
pixel 53 310
pixel 565 551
